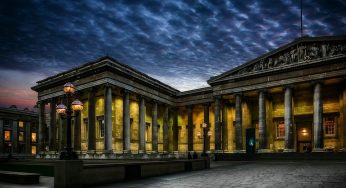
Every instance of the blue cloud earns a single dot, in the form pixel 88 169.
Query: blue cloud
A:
pixel 173 41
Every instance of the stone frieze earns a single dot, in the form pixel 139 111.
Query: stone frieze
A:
pixel 301 53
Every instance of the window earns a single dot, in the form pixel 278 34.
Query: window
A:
pixel 85 129
pixel 280 130
pixel 21 124
pixel 33 137
pixel 7 135
pixel 329 126
pixel 101 128
pixel 33 150
pixel 21 136
pixel 6 122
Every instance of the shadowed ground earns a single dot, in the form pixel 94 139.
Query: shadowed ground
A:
pixel 243 174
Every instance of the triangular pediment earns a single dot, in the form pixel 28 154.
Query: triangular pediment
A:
pixel 303 51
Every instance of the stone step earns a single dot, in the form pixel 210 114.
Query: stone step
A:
pixel 19 177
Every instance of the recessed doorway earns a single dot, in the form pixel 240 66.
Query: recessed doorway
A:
pixel 304 135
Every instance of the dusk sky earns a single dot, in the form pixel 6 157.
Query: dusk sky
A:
pixel 181 43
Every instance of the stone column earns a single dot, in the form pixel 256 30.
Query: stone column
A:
pixel 1 136
pixel 238 122
pixel 91 121
pixel 154 128
pixel 189 128
pixel 141 125
pixel 15 136
pixel 52 127
pixel 288 120
pixel 262 120
pixel 206 120
pixel 175 129
pixel 217 134
pixel 127 128
pixel 77 132
pixel 108 119
pixel 27 138
pixel 41 126
pixel 165 131
pixel 318 118
pixel 224 128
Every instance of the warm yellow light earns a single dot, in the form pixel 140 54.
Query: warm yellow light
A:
pixel 69 88
pixel 7 135
pixel 198 134
pixel 209 133
pixel 77 105
pixel 33 137
pixel 305 132
pixel 33 150
pixel 61 109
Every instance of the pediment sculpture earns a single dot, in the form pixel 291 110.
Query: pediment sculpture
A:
pixel 300 53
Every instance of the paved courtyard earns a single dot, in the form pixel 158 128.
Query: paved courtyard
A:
pixel 242 174
pixel 253 174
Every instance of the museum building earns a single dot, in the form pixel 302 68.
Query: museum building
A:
pixel 294 97
pixel 18 132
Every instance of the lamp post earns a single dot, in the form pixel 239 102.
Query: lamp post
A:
pixel 76 105
pixel 205 134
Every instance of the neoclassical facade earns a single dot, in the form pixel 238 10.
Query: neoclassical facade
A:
pixel 294 97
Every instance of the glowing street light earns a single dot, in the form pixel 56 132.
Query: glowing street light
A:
pixel 77 106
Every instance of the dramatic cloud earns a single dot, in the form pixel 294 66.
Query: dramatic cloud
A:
pixel 181 43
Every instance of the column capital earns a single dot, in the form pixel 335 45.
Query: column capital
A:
pixel 126 91
pixel 288 86
pixel 54 100
pixel 107 85
pixel 238 94
pixel 139 97
pixel 41 102
pixel 154 101
pixel 315 82
pixel 264 90
pixel 207 104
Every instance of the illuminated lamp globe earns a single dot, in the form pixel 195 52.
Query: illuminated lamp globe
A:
pixel 209 133
pixel 61 109
pixel 77 105
pixel 69 88
pixel 204 125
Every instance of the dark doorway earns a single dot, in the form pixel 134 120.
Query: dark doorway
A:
pixel 304 135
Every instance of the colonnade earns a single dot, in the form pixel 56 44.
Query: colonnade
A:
pixel 220 134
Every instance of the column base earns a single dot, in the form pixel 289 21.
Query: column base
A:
pixel 126 151
pixel 318 150
pixel 91 152
pixel 68 155
pixel 108 152
pixel 141 152
pixel 240 151
pixel 289 150
pixel 263 151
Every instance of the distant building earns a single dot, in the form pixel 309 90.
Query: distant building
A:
pixel 18 132
pixel 294 97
